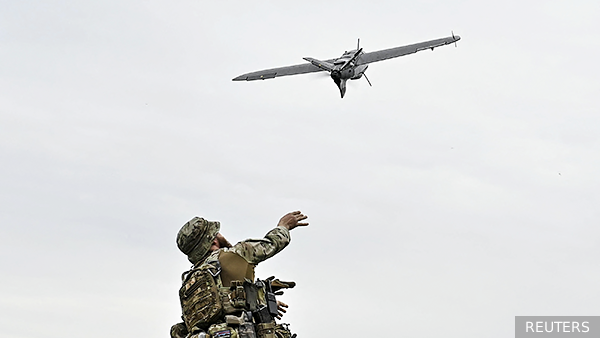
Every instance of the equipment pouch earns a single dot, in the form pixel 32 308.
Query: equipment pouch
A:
pixel 266 330
pixel 271 303
pixel 179 330
pixel 246 330
pixel 243 323
pixel 282 331
pixel 222 331
pixel 238 294
pixel 251 295
pixel 262 315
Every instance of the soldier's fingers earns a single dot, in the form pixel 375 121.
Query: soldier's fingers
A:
pixel 301 217
pixel 302 224
pixel 280 303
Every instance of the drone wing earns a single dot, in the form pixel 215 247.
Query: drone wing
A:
pixel 281 71
pixel 405 50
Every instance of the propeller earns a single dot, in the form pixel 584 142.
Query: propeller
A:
pixel 366 78
pixel 453 37
pixel 352 59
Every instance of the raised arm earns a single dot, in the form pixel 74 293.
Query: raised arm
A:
pixel 258 250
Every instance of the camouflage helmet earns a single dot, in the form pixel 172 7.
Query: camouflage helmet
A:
pixel 196 236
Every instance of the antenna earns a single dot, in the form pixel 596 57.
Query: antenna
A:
pixel 366 78
pixel 358 44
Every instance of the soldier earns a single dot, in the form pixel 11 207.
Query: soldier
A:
pixel 219 297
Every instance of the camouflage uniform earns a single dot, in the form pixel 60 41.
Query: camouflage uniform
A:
pixel 228 266
pixel 255 251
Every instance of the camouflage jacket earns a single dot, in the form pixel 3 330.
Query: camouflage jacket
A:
pixel 255 251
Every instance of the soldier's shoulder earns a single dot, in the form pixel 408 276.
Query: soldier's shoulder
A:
pixel 208 260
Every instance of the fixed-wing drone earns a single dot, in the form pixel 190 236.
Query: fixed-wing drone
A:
pixel 350 66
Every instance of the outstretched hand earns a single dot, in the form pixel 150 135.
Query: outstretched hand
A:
pixel 281 309
pixel 292 219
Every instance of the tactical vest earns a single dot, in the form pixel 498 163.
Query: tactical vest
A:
pixel 214 289
pixel 214 293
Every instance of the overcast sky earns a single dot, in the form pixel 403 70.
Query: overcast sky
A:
pixel 459 191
